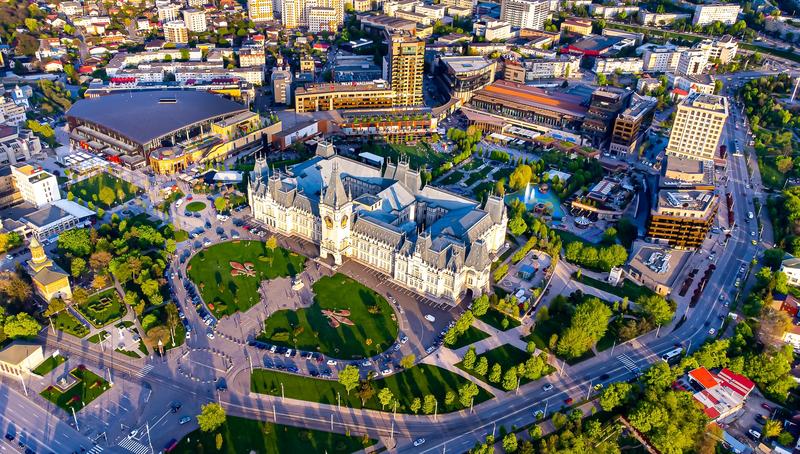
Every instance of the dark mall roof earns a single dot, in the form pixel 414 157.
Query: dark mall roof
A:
pixel 145 116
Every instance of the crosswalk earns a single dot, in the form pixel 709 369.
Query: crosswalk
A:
pixel 144 371
pixel 95 450
pixel 133 446
pixel 627 362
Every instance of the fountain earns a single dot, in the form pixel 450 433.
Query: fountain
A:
pixel 537 201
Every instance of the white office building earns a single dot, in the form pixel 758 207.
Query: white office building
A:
pixel 195 20
pixel 727 13
pixel 529 14
pixel 37 186
pixel 691 62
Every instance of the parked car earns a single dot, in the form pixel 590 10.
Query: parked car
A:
pixel 185 420
pixel 430 318
pixel 419 441
pixel 548 387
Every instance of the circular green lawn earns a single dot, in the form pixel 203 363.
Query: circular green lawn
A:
pixel 226 290
pixel 364 324
pixel 195 206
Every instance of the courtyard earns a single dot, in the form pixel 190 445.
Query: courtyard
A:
pixel 346 320
pixel 228 274
pixel 102 308
pixel 104 190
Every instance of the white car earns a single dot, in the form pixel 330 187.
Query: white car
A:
pixel 404 339
pixel 386 372
pixel 210 335
pixel 419 441
pixel 288 353
pixel 430 318
pixel 712 331
pixel 331 362
pixel 548 387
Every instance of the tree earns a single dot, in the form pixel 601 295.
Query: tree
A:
pixel 615 395
pixel 772 428
pixel 408 361
pixel 220 204
pixel 772 325
pixel 77 267
pixel 385 396
pixel 9 241
pixel 349 378
pixel 56 305
pixel 510 442
pixel 75 242
pixel 172 319
pixel 99 282
pixel 482 367
pixel 469 359
pixel 21 325
pixel 429 404
pixel 416 404
pixel 481 305
pixel 99 261
pixel 656 308
pixel 449 398
pixel 496 373
pixel 365 391
pixel 510 379
pixel 107 196
pixel 218 441
pixel 517 226
pixel 589 324
pixel 211 417
pixel 450 337
pixel 14 287
pixel 466 393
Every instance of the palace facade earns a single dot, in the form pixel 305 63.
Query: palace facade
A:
pixel 429 240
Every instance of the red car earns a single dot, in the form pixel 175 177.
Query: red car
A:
pixel 247 227
pixel 568 401
pixel 765 406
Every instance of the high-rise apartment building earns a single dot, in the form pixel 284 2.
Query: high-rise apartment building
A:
pixel 727 13
pixel 260 10
pixel 698 126
pixel 282 85
pixel 692 62
pixel 195 20
pixel 606 103
pixel 322 19
pixel 631 125
pixel 168 12
pixel 176 32
pixel 525 13
pixel 295 13
pixel 405 68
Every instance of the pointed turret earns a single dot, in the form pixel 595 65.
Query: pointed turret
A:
pixel 335 194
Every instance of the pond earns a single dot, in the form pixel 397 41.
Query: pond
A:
pixel 532 196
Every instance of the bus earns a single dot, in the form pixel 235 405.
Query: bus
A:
pixel 673 356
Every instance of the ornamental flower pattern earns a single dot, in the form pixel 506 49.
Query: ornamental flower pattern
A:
pixel 245 269
pixel 339 317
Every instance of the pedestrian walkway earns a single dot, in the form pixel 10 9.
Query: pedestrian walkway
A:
pixel 144 371
pixel 447 359
pixel 95 450
pixel 133 446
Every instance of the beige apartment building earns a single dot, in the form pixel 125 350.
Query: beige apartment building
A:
pixel 406 61
pixel 698 126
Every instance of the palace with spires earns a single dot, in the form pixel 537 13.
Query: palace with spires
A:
pixel 436 243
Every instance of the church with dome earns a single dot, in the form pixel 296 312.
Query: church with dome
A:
pixel 49 281
pixel 436 243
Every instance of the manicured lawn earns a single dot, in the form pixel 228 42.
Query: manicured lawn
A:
pixel 242 435
pixel 127 353
pixel 506 355
pixel 418 381
pixel 628 288
pixel 90 188
pixel 470 336
pixel 195 206
pixel 88 388
pixel 372 330
pixel 97 337
pixel 155 322
pixel 225 294
pixel 453 178
pixel 495 318
pixel 64 321
pixel 48 365
pixel 103 308
pixel 419 155
pixel 475 177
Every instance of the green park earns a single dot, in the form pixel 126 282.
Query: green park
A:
pixel 87 387
pixel 103 190
pixel 102 308
pixel 228 274
pixel 347 320
pixel 195 206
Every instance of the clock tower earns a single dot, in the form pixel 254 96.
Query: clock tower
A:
pixel 336 213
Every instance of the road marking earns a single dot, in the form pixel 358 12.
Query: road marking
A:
pixel 133 446
pixel 627 362
pixel 144 371
pixel 95 450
